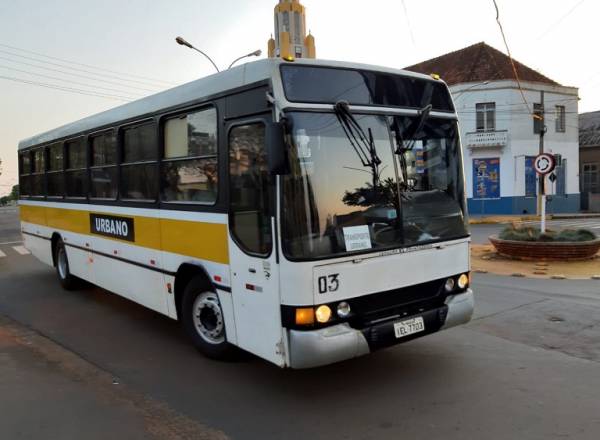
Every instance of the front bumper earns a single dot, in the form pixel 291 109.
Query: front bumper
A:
pixel 315 348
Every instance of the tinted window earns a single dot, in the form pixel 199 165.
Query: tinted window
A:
pixel 56 184
pixel 139 182
pixel 139 143
pixel 76 158
pixel 190 181
pixel 362 87
pixel 38 161
pixel 104 149
pixel 26 163
pixel 76 183
pixel 55 157
pixel 249 188
pixel 189 172
pixel 191 135
pixel 103 183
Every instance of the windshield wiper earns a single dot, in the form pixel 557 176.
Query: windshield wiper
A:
pixel 411 131
pixel 362 143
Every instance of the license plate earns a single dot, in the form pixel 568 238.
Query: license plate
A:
pixel 409 327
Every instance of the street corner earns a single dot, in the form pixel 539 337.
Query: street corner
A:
pixel 485 259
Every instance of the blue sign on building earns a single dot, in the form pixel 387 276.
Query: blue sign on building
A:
pixel 486 178
pixel 530 177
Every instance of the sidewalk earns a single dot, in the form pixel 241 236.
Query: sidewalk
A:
pixel 48 392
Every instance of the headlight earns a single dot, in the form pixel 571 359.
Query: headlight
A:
pixel 343 309
pixel 449 286
pixel 463 281
pixel 323 313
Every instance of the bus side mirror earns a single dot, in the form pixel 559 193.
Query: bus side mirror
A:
pixel 277 158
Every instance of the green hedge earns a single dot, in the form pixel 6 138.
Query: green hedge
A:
pixel 529 233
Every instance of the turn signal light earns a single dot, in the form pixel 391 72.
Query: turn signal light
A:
pixel 305 316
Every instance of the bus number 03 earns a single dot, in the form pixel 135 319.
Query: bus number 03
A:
pixel 329 283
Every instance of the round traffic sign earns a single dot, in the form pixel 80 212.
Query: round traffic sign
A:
pixel 544 163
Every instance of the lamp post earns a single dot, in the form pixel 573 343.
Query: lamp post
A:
pixel 256 53
pixel 185 43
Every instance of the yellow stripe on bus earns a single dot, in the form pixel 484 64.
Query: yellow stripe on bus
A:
pixel 206 241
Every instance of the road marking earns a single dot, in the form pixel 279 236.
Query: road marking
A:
pixel 2 254
pixel 11 242
pixel 21 250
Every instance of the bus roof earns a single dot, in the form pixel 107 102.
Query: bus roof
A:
pixel 211 85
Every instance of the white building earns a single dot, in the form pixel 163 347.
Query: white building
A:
pixel 500 135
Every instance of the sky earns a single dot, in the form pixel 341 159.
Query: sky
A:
pixel 136 37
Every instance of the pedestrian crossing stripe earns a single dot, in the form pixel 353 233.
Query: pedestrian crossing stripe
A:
pixel 21 250
pixel 2 254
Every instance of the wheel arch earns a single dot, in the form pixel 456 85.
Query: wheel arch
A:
pixel 185 273
pixel 53 242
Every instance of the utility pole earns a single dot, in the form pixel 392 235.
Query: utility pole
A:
pixel 542 177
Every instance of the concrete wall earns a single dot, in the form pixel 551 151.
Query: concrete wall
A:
pixel 512 115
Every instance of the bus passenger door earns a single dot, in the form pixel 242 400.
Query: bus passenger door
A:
pixel 253 263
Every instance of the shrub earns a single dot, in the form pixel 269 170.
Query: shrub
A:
pixel 529 233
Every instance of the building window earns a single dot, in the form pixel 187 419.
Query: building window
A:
pixel 591 178
pixel 139 173
pixel 55 176
pixel 538 118
pixel 75 176
pixel 561 175
pixel 189 169
pixel 530 177
pixel 560 119
pixel 103 172
pixel 486 116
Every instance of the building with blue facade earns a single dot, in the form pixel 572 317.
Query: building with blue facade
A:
pixel 501 120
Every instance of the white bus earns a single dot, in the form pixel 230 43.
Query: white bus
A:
pixel 307 212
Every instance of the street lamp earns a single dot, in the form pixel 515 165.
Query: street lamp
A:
pixel 185 43
pixel 256 53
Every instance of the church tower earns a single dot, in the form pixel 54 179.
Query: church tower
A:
pixel 290 39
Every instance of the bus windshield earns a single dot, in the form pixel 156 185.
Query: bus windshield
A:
pixel 399 185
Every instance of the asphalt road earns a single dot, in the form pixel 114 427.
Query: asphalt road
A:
pixel 527 366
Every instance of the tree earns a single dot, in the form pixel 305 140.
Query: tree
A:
pixel 14 194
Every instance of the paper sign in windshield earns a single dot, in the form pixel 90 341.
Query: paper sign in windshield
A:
pixel 357 238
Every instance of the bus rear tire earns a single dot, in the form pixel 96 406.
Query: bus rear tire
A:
pixel 204 321
pixel 67 280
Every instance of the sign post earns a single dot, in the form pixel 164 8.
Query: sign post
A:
pixel 543 164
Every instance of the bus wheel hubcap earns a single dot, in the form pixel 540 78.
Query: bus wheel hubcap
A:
pixel 62 263
pixel 208 318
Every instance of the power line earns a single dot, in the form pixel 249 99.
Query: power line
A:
pixel 410 31
pixel 560 20
pixel 66 89
pixel 512 62
pixel 76 74
pixel 67 80
pixel 80 70
pixel 160 81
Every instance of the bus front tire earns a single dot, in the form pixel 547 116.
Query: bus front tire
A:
pixel 203 320
pixel 66 279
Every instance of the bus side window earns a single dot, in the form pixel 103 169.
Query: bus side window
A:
pixel 139 179
pixel 189 167
pixel 103 173
pixel 249 188
pixel 25 171
pixel 55 177
pixel 75 177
